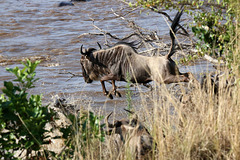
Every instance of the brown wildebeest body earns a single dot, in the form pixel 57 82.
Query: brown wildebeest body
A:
pixel 122 63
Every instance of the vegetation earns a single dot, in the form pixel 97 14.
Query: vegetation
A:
pixel 129 94
pixel 23 121
pixel 23 118
pixel 203 124
pixel 215 24
pixel 82 136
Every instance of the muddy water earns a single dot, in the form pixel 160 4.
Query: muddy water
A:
pixel 40 30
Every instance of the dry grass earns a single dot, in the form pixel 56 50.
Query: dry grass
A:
pixel 202 125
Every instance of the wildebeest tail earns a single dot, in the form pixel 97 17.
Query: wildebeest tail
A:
pixel 173 30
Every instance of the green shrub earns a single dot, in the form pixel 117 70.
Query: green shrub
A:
pixel 214 32
pixel 22 116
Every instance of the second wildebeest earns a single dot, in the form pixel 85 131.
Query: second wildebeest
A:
pixel 131 134
pixel 122 63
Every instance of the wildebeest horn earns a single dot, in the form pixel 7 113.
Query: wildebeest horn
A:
pixel 81 50
pixel 128 111
pixel 99 45
pixel 106 120
pixel 131 112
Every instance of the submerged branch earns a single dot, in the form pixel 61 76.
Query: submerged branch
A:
pixel 73 75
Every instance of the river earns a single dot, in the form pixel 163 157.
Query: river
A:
pixel 40 30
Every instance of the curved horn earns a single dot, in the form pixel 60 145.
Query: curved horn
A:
pixel 81 50
pixel 99 45
pixel 128 111
pixel 106 120
pixel 135 116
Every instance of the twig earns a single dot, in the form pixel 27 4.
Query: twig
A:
pixel 87 34
pixel 73 75
pixel 144 37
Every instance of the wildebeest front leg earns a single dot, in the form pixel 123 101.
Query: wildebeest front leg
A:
pixel 106 78
pixel 105 92
pixel 116 93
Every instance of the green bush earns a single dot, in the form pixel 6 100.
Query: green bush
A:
pixel 214 31
pixel 23 119
pixel 22 116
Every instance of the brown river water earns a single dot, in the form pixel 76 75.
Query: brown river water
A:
pixel 40 30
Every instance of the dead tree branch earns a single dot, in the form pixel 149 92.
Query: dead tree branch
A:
pixel 148 39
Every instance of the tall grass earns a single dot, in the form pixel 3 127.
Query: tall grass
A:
pixel 202 125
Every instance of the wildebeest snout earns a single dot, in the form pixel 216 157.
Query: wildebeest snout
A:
pixel 88 80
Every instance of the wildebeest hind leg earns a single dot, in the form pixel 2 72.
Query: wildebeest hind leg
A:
pixel 176 79
pixel 115 92
pixel 105 92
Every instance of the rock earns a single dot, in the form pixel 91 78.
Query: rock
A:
pixel 66 107
pixel 61 4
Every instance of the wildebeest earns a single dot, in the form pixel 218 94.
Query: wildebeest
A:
pixel 122 63
pixel 133 136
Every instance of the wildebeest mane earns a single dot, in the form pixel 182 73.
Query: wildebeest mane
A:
pixel 114 55
pixel 132 44
pixel 117 59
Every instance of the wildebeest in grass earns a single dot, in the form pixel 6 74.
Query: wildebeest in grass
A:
pixel 132 135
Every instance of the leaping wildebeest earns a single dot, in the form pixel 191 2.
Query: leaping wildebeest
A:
pixel 122 62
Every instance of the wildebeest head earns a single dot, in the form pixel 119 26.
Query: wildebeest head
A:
pixel 87 65
pixel 122 126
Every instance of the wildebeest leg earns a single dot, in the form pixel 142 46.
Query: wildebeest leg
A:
pixel 177 78
pixel 106 78
pixel 116 93
pixel 105 92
